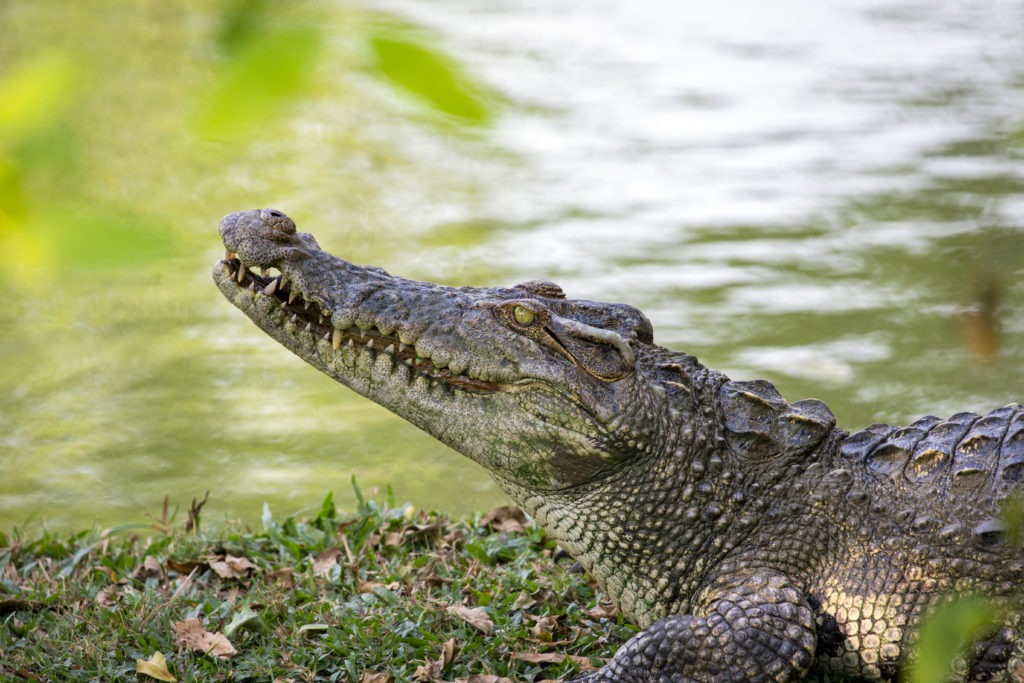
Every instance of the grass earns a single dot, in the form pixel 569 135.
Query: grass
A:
pixel 382 594
pixel 385 593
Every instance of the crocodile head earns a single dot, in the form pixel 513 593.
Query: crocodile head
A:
pixel 540 389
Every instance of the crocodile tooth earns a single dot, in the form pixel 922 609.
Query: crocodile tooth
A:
pixel 401 347
pixel 242 270
pixel 390 349
pixel 362 333
pixel 322 318
pixel 292 295
pixel 408 361
pixel 271 288
pixel 336 339
pixel 307 305
pixel 294 318
pixel 369 345
pixel 308 328
pixel 350 344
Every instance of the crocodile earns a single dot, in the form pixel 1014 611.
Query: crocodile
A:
pixel 747 536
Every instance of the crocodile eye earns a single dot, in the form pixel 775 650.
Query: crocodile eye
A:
pixel 524 316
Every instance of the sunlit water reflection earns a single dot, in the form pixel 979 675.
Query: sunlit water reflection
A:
pixel 826 195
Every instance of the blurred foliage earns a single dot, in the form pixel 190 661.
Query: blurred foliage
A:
pixel 266 72
pixel 35 92
pixel 105 124
pixel 948 633
pixel 430 76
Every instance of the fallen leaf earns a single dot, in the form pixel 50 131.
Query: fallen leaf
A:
pixel 374 677
pixel 474 616
pixel 428 671
pixel 232 567
pixel 326 561
pixel 369 586
pixel 432 669
pixel 155 667
pixel 183 566
pixel 506 519
pixel 605 609
pixel 553 658
pixel 393 538
pixel 149 569
pixel 544 628
pixel 524 601
pixel 107 597
pixel 192 635
pixel 284 577
pixel 15 605
pixel 447 652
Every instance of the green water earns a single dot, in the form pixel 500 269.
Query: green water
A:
pixel 780 200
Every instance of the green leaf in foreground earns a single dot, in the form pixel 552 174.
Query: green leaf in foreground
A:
pixel 431 77
pixel 947 634
pixel 266 74
pixel 34 92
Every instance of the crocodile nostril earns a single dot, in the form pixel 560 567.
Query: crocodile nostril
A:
pixel 278 221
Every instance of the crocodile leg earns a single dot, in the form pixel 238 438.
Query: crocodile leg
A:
pixel 757 627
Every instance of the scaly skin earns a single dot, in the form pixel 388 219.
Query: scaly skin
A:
pixel 749 537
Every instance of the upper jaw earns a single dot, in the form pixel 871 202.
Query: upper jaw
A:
pixel 325 305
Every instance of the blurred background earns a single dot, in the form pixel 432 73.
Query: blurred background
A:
pixel 826 195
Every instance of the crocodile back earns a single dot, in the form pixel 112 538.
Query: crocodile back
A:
pixel 950 476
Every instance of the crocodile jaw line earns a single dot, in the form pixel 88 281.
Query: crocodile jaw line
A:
pixel 301 323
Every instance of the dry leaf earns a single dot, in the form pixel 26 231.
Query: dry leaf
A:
pixel 374 677
pixel 232 567
pixel 107 597
pixel 155 667
pixel 326 561
pixel 192 635
pixel 553 658
pixel 283 577
pixel 432 669
pixel 369 586
pixel 393 538
pixel 544 628
pixel 524 601
pixel 428 671
pixel 149 569
pixel 605 609
pixel 506 519
pixel 475 617
pixel 448 653
pixel 8 606
pixel 183 566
